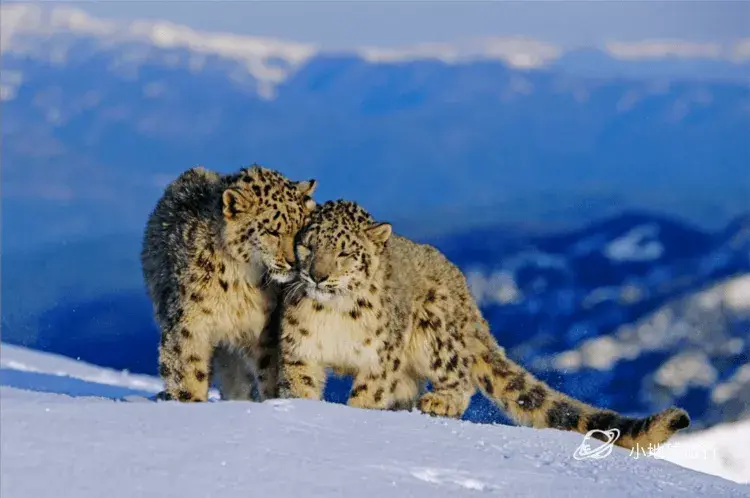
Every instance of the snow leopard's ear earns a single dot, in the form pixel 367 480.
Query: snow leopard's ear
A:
pixel 307 188
pixel 379 232
pixel 234 202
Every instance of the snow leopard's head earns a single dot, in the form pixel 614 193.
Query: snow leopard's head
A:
pixel 339 250
pixel 263 211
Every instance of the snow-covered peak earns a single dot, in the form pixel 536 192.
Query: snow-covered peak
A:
pixel 271 61
pixel 737 293
pixel 18 19
pixel 658 49
pixel 639 244
pixel 268 60
pixel 517 52
pixel 31 19
pixel 26 19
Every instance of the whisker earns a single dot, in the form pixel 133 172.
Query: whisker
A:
pixel 266 278
pixel 288 293
pixel 292 291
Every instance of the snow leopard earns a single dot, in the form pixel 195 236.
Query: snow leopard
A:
pixel 216 251
pixel 397 315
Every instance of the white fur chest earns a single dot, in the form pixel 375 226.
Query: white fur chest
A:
pixel 331 336
pixel 242 310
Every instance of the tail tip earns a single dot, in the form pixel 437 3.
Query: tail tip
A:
pixel 679 419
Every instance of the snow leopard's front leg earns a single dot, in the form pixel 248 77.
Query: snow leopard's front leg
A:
pixel 298 377
pixel 265 357
pixel 184 361
pixel 378 389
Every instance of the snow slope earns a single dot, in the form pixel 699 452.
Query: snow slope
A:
pixel 71 441
pixel 33 370
pixel 723 450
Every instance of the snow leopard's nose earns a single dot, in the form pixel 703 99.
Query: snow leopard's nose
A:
pixel 319 271
pixel 321 268
pixel 317 276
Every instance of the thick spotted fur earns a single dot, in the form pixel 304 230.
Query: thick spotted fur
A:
pixel 396 314
pixel 215 252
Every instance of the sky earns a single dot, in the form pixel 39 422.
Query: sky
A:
pixel 343 24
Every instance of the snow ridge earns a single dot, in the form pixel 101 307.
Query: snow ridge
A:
pixel 292 448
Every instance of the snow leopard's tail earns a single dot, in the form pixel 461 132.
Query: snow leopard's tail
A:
pixel 529 401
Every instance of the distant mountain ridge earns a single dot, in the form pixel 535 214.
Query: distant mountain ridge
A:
pixel 273 60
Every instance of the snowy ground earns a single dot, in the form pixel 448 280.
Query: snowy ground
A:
pixel 722 451
pixel 64 433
